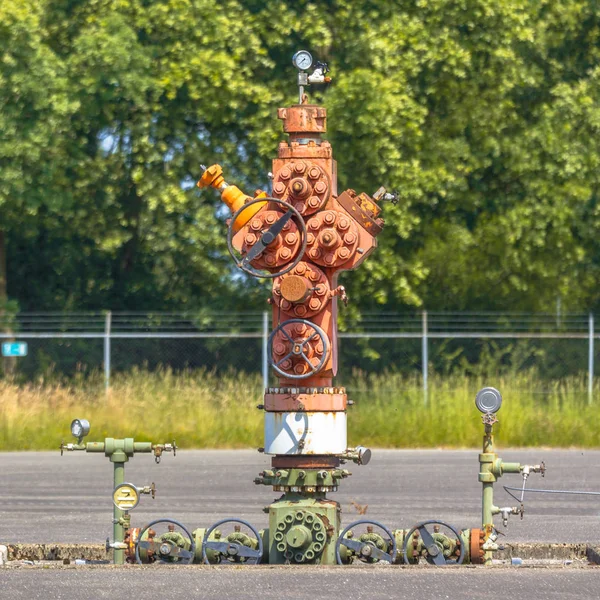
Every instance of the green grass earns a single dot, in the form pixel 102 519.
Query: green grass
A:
pixel 202 410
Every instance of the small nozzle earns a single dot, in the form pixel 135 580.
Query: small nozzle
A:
pixel 212 176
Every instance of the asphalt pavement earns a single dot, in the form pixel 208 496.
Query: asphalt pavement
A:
pixel 48 498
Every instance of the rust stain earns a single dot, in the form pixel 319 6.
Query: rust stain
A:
pixel 360 508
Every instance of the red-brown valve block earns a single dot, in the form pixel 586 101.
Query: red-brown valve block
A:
pixel 284 248
pixel 332 238
pixel 303 184
pixel 303 292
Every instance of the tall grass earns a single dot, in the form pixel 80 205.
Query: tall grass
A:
pixel 200 409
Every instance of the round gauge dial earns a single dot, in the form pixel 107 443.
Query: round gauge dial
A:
pixel 302 60
pixel 126 496
pixel 80 428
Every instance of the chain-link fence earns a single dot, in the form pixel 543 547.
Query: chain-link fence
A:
pixel 420 344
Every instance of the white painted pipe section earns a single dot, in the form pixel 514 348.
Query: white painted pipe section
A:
pixel 305 432
pixel 3 555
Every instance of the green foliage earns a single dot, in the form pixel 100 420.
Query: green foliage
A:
pixel 484 114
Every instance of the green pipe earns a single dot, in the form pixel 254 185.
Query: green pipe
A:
pixel 118 532
pixel 487 504
pixel 142 446
pixel 511 467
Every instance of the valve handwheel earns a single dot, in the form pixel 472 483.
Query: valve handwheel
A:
pixel 234 551
pixel 267 237
pixel 367 549
pixel 166 548
pixel 299 348
pixel 433 544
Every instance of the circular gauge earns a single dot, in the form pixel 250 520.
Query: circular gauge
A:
pixel 80 428
pixel 126 496
pixel 488 400
pixel 302 60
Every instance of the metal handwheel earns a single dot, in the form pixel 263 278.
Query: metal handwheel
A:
pixel 234 548
pixel 267 237
pixel 369 547
pixel 168 547
pixel 298 348
pixel 434 545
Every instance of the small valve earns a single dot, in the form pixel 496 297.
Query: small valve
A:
pixel 510 510
pixel 382 195
pixel 489 419
pixel 359 455
pixel 148 489
pixel 69 447
pixel 158 449
pixel 115 545
pixel 340 291
pixel 527 469
pixel 318 75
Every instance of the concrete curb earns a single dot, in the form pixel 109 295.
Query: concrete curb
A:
pixel 97 552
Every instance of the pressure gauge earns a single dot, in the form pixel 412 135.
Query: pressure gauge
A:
pixel 126 496
pixel 488 400
pixel 80 428
pixel 302 60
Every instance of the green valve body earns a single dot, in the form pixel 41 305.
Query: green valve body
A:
pixel 303 530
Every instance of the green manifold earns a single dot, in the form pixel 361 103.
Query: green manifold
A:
pixel 125 496
pixel 305 527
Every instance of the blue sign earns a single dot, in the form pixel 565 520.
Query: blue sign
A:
pixel 14 349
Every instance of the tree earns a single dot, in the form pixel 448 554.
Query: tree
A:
pixel 483 114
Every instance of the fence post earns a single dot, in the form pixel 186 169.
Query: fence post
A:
pixel 107 327
pixel 265 350
pixel 591 359
pixel 425 356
